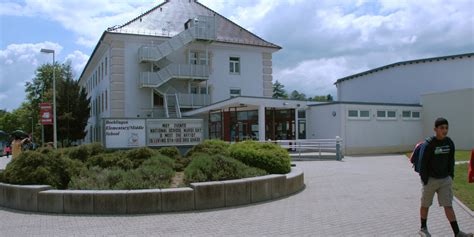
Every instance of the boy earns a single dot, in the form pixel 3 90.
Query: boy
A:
pixel 437 173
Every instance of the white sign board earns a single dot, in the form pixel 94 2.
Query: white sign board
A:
pixel 174 132
pixel 124 133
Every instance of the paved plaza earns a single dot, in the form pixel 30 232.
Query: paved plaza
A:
pixel 360 196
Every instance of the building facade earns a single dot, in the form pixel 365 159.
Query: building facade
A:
pixel 176 57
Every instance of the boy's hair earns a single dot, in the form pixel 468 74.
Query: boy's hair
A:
pixel 440 121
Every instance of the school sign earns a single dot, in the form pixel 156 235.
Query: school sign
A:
pixel 129 133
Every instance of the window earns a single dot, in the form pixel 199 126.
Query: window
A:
pixel 364 113
pixel 386 114
pixel 102 70
pixel 381 114
pixel 413 115
pixel 193 57
pixel 406 114
pixel 234 92
pixel 353 113
pixel 234 65
pixel 197 57
pixel 358 114
pixel 106 66
pixel 106 100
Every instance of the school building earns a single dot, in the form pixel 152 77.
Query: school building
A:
pixel 181 73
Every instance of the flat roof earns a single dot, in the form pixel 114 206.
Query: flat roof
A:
pixel 423 60
pixel 249 100
pixel 364 103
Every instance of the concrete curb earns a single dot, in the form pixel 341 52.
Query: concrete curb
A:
pixel 205 195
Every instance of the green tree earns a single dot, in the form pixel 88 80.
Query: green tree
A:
pixel 279 91
pixel 295 95
pixel 72 105
pixel 329 97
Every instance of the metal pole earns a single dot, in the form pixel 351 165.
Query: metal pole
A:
pixel 55 138
pixel 32 131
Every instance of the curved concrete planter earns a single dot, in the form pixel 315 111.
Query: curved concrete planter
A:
pixel 205 195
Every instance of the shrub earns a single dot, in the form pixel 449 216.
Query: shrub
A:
pixel 83 152
pixel 267 156
pixel 109 160
pixel 171 152
pixel 211 147
pixel 155 172
pixel 204 167
pixel 97 178
pixel 33 167
pixel 138 155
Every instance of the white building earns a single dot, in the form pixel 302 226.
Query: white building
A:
pixel 390 108
pixel 176 57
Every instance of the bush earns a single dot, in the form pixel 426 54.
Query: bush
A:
pixel 108 160
pixel 204 167
pixel 211 147
pixel 33 167
pixel 97 178
pixel 137 156
pixel 267 156
pixel 83 152
pixel 171 152
pixel 155 172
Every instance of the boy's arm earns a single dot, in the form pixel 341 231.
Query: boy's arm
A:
pixel 452 160
pixel 424 172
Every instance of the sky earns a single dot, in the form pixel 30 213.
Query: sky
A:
pixel 321 40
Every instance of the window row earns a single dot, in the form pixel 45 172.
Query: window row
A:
pixel 383 114
pixel 99 74
pixel 99 104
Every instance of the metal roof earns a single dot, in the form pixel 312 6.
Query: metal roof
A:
pixel 423 60
pixel 168 18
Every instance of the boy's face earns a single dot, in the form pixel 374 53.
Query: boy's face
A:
pixel 441 131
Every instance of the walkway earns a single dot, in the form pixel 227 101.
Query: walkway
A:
pixel 361 196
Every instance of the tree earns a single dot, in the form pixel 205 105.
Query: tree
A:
pixel 321 98
pixel 329 97
pixel 295 95
pixel 72 105
pixel 279 91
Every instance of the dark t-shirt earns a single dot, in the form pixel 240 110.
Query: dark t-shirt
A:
pixel 438 160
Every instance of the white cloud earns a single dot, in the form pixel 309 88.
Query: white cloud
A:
pixel 78 61
pixel 18 63
pixel 87 18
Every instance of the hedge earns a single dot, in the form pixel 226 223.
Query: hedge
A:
pixel 205 167
pixel 267 156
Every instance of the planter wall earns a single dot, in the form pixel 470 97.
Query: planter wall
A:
pixel 205 195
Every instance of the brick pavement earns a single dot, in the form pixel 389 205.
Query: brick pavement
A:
pixel 361 196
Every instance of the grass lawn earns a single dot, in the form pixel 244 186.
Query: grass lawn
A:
pixel 458 155
pixel 463 190
pixel 462 155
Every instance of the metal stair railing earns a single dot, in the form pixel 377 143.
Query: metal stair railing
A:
pixel 204 28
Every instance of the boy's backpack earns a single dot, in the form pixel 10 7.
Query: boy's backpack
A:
pixel 417 154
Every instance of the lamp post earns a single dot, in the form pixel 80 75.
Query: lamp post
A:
pixel 55 138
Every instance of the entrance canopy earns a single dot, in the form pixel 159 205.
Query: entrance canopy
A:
pixel 249 102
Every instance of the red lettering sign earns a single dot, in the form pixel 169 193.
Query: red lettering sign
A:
pixel 46 114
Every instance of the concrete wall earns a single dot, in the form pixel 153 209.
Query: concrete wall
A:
pixel 365 135
pixel 458 108
pixel 206 195
pixel 406 83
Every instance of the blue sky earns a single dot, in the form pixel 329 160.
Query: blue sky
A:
pixel 322 40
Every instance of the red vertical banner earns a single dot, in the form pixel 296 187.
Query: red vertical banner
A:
pixel 46 114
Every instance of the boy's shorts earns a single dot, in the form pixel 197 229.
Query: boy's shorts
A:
pixel 441 186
